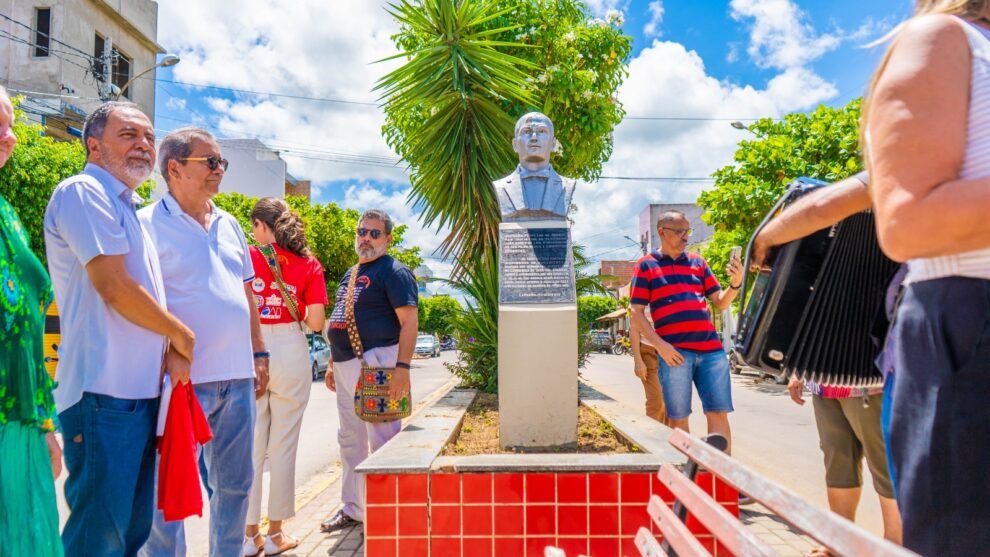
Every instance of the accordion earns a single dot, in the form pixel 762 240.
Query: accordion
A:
pixel 816 308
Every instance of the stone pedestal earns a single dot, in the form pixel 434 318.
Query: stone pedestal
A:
pixel 537 335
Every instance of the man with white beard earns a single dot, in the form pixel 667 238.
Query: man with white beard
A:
pixel 384 297
pixel 115 331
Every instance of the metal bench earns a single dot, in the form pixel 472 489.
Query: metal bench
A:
pixel 840 536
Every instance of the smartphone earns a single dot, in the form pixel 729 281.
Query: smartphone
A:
pixel 736 253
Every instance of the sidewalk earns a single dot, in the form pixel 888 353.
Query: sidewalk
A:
pixel 306 527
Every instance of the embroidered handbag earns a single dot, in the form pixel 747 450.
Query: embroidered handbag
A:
pixel 371 400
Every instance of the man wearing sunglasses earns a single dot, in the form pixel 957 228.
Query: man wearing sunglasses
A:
pixel 674 287
pixel 207 271
pixel 385 303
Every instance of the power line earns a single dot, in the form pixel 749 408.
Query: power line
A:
pixel 53 39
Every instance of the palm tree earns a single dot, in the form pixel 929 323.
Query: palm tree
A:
pixel 453 90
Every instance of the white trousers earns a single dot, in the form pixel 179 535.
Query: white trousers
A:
pixel 280 413
pixel 355 435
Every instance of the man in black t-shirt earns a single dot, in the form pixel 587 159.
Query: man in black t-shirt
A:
pixel 385 299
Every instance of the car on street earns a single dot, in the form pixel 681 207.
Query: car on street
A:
pixel 600 341
pixel 427 345
pixel 319 355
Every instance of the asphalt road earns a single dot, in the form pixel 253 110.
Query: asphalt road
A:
pixel 317 461
pixel 771 434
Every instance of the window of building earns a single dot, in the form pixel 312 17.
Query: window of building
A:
pixel 120 72
pixel 42 31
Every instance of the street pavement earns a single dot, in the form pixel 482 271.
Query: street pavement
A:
pixel 318 460
pixel 771 434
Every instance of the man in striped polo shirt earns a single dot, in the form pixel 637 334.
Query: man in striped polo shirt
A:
pixel 677 286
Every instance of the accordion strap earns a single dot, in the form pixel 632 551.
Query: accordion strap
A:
pixel 290 301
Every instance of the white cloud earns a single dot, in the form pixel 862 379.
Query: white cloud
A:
pixel 779 37
pixel 602 7
pixel 652 28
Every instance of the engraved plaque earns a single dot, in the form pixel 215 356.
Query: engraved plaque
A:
pixel 536 266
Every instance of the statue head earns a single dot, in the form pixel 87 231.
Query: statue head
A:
pixel 534 140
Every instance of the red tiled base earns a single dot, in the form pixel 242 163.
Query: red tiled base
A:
pixel 484 514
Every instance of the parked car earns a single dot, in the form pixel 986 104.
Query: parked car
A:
pixel 319 355
pixel 601 341
pixel 427 345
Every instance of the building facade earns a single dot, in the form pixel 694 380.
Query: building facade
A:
pixel 648 225
pixel 66 56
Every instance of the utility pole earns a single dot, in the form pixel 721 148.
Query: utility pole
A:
pixel 106 84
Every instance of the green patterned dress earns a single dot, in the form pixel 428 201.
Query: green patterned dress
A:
pixel 28 514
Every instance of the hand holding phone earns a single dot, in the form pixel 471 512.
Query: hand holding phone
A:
pixel 736 253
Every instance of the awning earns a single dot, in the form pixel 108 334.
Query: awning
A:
pixel 621 312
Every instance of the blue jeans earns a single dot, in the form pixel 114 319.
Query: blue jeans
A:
pixel 229 408
pixel 110 455
pixel 709 371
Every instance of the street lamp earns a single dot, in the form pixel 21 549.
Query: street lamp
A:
pixel 738 125
pixel 640 244
pixel 167 60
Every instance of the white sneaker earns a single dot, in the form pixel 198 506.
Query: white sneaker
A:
pixel 251 548
pixel 286 542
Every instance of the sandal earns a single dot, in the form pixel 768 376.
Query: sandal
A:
pixel 251 547
pixel 287 543
pixel 820 551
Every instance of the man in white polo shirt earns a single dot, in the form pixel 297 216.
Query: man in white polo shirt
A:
pixel 115 331
pixel 207 271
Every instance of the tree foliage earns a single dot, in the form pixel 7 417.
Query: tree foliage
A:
pixel 472 68
pixel 823 144
pixel 438 314
pixel 36 166
pixel 591 308
pixel 329 232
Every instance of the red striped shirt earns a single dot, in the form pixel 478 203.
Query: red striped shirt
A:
pixel 676 291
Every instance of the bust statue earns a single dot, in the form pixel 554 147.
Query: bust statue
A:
pixel 534 191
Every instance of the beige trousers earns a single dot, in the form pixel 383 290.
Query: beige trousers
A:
pixel 280 413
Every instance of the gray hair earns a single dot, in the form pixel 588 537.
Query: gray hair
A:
pixel 379 215
pixel 178 145
pixel 668 217
pixel 96 122
pixel 529 116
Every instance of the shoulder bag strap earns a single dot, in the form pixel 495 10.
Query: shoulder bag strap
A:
pixel 352 330
pixel 290 300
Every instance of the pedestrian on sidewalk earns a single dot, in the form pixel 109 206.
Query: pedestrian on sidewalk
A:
pixel 849 421
pixel 115 331
pixel 384 297
pixel 207 272
pixel 646 366
pixel 289 291
pixel 927 145
pixel 674 287
pixel 30 454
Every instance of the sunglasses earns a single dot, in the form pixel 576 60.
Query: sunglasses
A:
pixel 375 234
pixel 679 231
pixel 211 162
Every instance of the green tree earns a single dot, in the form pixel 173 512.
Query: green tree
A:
pixel 36 166
pixel 591 308
pixel 823 144
pixel 472 67
pixel 438 314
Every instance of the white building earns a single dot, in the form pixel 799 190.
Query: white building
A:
pixel 52 52
pixel 648 224
pixel 255 170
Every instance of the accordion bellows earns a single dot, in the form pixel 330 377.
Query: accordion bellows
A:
pixel 817 312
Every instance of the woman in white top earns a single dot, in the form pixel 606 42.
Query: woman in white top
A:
pixel 927 137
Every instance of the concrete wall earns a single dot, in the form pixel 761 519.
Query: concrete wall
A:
pixel 255 170
pixel 132 25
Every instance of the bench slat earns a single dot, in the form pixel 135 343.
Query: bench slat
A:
pixel 647 544
pixel 725 527
pixel 839 535
pixel 675 533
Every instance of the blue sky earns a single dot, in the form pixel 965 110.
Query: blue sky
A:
pixel 719 59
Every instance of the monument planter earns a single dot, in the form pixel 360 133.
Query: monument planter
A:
pixel 422 504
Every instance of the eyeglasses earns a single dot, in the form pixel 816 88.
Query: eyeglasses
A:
pixel 375 234
pixel 211 162
pixel 679 231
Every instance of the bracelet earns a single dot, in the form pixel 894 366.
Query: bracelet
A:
pixel 734 287
pixel 262 355
pixel 403 365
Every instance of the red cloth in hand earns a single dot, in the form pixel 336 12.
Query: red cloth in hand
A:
pixel 186 427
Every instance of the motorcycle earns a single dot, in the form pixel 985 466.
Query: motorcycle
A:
pixel 622 346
